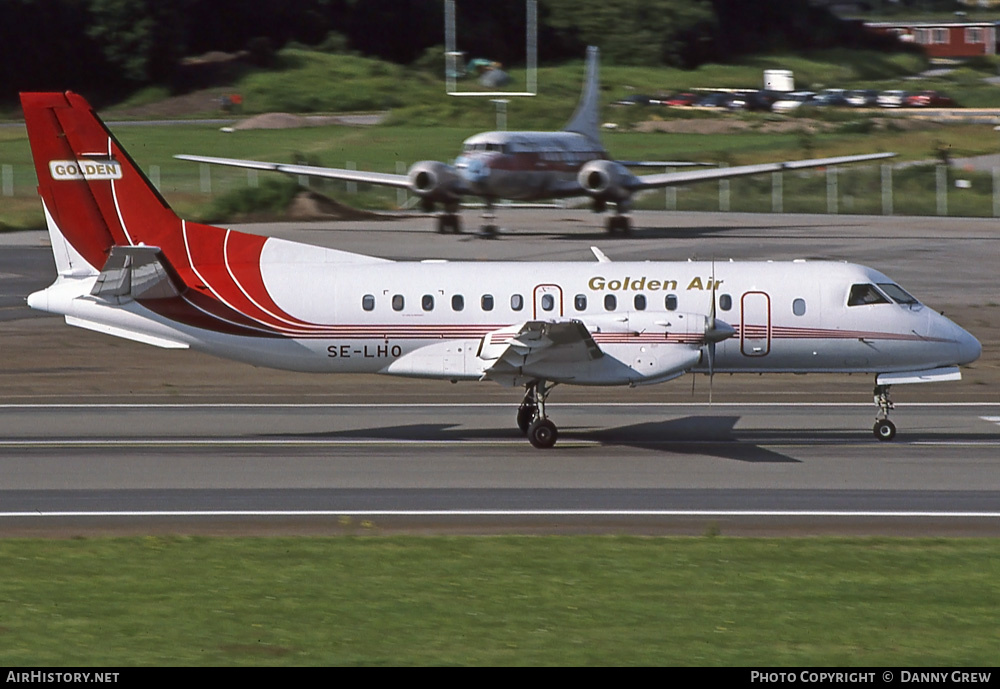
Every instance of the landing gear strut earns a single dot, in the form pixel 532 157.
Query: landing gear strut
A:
pixel 884 429
pixel 531 418
pixel 448 220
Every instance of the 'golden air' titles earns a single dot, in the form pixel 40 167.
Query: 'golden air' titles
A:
pixel 599 283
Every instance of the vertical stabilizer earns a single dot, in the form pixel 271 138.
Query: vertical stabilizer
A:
pixel 586 118
pixel 94 195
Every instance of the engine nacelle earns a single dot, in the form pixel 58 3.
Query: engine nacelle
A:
pixel 606 180
pixel 433 181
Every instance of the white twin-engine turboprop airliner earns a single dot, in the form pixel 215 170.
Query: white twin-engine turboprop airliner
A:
pixel 531 166
pixel 127 266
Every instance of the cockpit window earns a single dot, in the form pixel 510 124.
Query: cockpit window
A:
pixel 897 293
pixel 866 294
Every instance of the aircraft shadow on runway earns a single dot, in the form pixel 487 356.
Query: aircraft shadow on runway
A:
pixel 712 436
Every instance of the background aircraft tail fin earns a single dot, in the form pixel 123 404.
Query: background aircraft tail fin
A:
pixel 94 195
pixel 586 119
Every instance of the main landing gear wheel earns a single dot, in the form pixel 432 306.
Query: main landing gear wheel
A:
pixel 531 418
pixel 542 434
pixel 449 222
pixel 884 430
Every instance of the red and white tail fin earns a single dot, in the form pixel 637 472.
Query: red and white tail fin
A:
pixel 94 195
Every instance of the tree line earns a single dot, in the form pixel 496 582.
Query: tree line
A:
pixel 108 48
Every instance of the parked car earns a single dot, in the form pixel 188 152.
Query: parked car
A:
pixel 860 98
pixel 636 99
pixel 763 99
pixel 892 99
pixel 792 101
pixel 929 99
pixel 681 99
pixel 738 100
pixel 830 97
pixel 718 99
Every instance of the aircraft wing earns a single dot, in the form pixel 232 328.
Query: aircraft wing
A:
pixel 382 178
pixel 661 163
pixel 668 179
pixel 533 342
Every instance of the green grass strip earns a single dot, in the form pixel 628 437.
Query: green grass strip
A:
pixel 499 601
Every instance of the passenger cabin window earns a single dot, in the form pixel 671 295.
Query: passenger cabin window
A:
pixel 725 302
pixel 671 302
pixel 610 302
pixel 397 302
pixel 486 302
pixel 427 302
pixel 368 302
pixel 548 302
pixel 897 293
pixel 580 302
pixel 516 302
pixel 799 307
pixel 639 302
pixel 865 294
pixel 457 302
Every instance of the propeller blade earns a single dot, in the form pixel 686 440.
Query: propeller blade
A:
pixel 709 334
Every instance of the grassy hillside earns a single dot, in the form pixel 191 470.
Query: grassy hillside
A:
pixel 424 123
pixel 309 81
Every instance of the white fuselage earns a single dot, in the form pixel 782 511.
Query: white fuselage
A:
pixel 440 319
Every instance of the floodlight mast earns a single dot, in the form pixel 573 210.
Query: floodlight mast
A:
pixel 452 54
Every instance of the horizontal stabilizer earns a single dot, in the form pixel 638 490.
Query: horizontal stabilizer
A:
pixel 134 272
pixel 126 334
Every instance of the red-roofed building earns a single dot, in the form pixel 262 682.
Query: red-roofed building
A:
pixel 944 39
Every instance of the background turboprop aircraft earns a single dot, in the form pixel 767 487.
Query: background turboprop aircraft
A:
pixel 531 166
pixel 129 267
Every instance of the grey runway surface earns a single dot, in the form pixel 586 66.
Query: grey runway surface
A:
pixel 314 454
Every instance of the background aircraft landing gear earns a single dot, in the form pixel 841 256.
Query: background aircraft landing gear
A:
pixel 449 222
pixel 531 418
pixel 619 224
pixel 489 229
pixel 884 429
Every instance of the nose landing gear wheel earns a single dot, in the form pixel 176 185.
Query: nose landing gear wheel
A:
pixel 542 434
pixel 884 430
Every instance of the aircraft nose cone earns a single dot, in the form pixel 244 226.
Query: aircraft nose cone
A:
pixel 966 347
pixel 969 348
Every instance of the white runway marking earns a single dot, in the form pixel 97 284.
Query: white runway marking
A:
pixel 478 405
pixel 511 513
